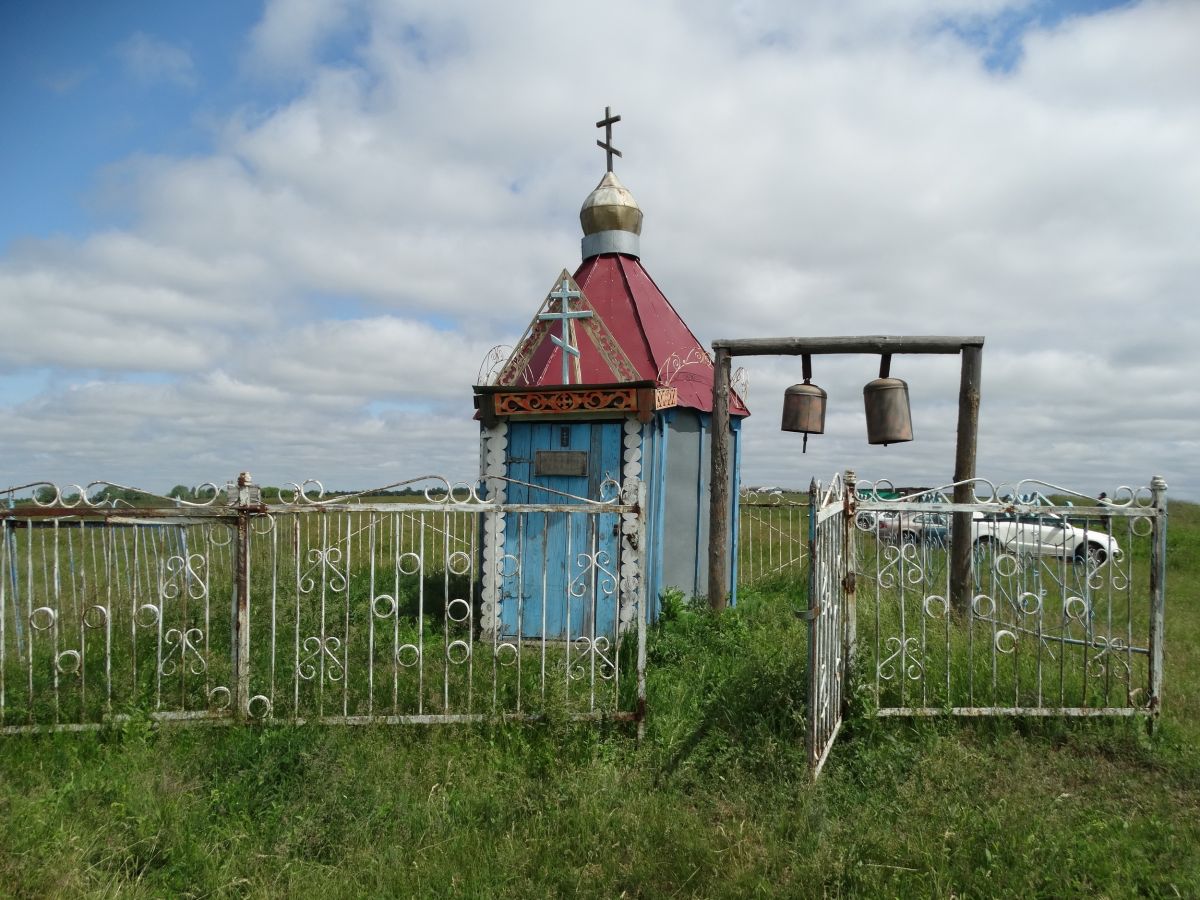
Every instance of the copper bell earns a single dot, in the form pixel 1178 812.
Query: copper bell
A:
pixel 889 419
pixel 804 406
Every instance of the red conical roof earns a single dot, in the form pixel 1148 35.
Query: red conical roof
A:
pixel 635 334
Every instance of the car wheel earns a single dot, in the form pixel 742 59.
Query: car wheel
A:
pixel 908 537
pixel 1094 555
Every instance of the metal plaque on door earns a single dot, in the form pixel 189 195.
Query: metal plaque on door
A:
pixel 561 463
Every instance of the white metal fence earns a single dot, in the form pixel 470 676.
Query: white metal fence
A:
pixel 772 535
pixel 1063 614
pixel 352 609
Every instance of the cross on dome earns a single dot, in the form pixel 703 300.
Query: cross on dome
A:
pixel 606 145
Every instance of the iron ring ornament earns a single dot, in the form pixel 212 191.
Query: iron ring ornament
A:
pixel 264 524
pixel 1077 609
pixel 384 606
pixel 936 606
pixel 95 616
pixel 1005 641
pixel 458 652
pixel 509 566
pixel 409 563
pixel 459 562
pixel 259 706
pixel 147 615
pixel 1029 603
pixel 458 611
pixel 506 654
pixel 43 618
pixel 219 535
pixel 408 655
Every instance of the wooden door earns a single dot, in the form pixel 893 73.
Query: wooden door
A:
pixel 565 586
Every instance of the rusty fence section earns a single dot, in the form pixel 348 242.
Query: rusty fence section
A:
pixel 1064 615
pixel 365 608
pixel 772 535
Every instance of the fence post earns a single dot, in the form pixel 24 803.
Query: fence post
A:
pixel 643 555
pixel 1158 590
pixel 850 583
pixel 247 500
pixel 814 603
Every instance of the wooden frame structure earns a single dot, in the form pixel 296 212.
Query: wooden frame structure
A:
pixel 970 349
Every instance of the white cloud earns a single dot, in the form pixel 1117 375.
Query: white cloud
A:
pixel 285 42
pixel 152 60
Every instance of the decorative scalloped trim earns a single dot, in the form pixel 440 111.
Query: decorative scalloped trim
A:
pixel 493 451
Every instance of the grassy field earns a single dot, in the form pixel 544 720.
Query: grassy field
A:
pixel 715 802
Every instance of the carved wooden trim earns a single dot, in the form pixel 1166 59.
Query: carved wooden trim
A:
pixel 556 402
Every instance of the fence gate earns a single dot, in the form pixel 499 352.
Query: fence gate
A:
pixel 830 615
pixel 381 606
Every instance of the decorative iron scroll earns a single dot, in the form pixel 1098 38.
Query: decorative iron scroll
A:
pixel 566 401
pixel 666 397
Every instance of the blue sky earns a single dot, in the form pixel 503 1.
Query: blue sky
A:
pixel 283 235
pixel 71 78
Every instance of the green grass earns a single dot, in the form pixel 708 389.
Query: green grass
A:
pixel 715 802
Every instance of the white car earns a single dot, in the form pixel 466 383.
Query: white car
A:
pixel 1031 534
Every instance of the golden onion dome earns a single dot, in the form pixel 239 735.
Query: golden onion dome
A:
pixel 610 207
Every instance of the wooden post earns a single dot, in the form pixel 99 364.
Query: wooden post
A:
pixel 718 487
pixel 964 471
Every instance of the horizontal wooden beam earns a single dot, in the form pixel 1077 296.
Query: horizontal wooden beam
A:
pixel 876 343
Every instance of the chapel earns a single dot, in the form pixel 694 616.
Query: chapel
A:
pixel 607 386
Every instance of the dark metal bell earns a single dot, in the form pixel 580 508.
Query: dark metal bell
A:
pixel 889 419
pixel 804 410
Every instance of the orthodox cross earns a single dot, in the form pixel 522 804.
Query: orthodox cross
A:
pixel 607 123
pixel 564 295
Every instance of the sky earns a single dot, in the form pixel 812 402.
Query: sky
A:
pixel 282 237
